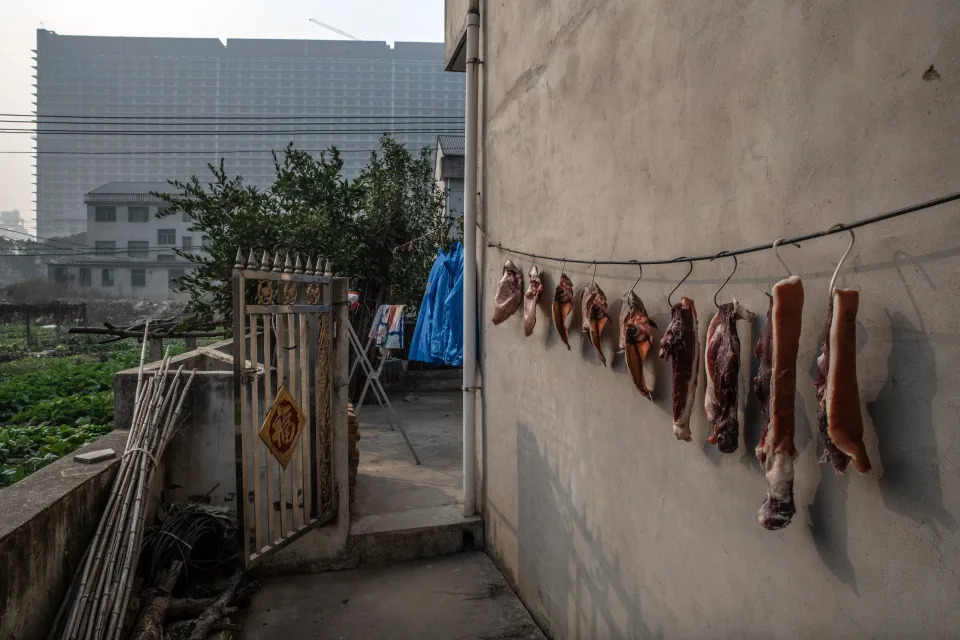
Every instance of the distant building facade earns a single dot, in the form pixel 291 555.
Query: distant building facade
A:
pixel 213 99
pixel 130 251
pixel 449 173
pixel 12 225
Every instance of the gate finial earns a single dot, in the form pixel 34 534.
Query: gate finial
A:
pixel 326 271
pixel 287 265
pixel 238 264
pixel 297 266
pixel 251 260
pixel 276 262
pixel 265 261
pixel 318 266
pixel 309 268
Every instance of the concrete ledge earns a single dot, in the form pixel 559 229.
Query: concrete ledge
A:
pixel 48 520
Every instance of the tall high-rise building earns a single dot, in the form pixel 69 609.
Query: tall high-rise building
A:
pixel 152 109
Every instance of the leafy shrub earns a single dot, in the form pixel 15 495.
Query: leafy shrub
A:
pixel 24 449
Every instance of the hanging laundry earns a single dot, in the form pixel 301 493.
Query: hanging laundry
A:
pixel 530 301
pixel 387 329
pixel 562 306
pixel 509 293
pixel 438 336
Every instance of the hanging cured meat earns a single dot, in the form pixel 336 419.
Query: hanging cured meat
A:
pixel 636 336
pixel 507 300
pixel 595 316
pixel 839 416
pixel 722 357
pixel 776 390
pixel 562 306
pixel 530 301
pixel 681 343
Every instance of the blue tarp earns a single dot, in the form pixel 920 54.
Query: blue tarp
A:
pixel 438 338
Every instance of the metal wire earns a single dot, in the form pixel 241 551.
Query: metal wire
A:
pixel 838 228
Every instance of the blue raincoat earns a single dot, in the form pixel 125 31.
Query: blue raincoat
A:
pixel 438 337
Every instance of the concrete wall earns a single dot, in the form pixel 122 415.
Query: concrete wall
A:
pixel 48 520
pixel 654 129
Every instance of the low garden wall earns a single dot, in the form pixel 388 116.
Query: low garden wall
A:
pixel 48 519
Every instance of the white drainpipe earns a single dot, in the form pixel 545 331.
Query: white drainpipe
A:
pixel 470 271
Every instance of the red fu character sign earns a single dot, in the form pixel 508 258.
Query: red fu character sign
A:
pixel 283 426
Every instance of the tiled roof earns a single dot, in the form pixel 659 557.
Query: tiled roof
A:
pixel 451 145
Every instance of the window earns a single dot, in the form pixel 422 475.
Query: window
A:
pixel 166 236
pixel 138 214
pixel 139 249
pixel 104 247
pixel 105 214
pixel 166 257
pixel 204 241
pixel 106 277
pixel 186 242
pixel 172 275
pixel 138 277
pixel 60 275
pixel 84 276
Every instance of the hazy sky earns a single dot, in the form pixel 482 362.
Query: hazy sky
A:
pixel 390 20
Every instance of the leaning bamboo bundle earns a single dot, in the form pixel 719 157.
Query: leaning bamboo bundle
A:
pixel 96 604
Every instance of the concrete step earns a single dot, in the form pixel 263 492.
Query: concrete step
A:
pixel 412 534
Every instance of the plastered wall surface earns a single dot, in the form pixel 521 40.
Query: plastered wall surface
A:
pixel 640 129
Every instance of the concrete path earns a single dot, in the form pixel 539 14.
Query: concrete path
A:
pixel 388 481
pixel 458 597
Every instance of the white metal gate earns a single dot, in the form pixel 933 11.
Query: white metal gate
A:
pixel 282 388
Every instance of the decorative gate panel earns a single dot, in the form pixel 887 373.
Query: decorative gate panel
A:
pixel 282 388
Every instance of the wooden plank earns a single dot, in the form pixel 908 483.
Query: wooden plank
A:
pixel 287 308
pixel 267 403
pixel 255 440
pixel 305 439
pixel 240 411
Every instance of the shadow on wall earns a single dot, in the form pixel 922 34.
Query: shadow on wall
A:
pixel 903 417
pixel 563 567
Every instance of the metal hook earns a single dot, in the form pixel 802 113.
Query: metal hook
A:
pixel 689 271
pixel 638 277
pixel 735 264
pixel 563 264
pixel 853 240
pixel 594 278
pixel 776 243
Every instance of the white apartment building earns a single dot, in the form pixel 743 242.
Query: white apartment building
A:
pixel 129 251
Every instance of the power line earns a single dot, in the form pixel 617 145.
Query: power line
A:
pixel 191 152
pixel 214 118
pixel 840 228
pixel 296 132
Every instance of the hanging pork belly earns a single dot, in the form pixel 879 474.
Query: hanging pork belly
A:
pixel 636 336
pixel 776 388
pixel 595 317
pixel 722 358
pixel 838 392
pixel 530 301
pixel 562 306
pixel 681 344
pixel 509 293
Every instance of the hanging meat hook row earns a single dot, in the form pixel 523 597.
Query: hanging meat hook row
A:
pixel 853 240
pixel 689 271
pixel 639 264
pixel 735 265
